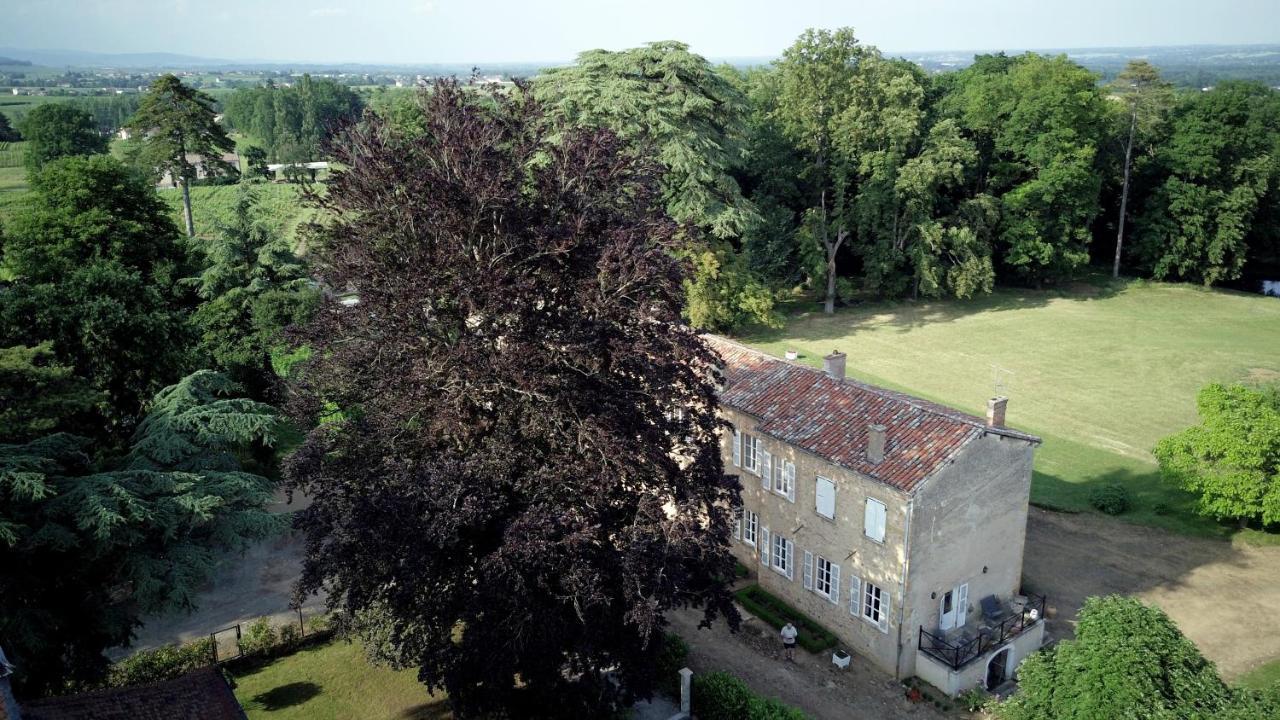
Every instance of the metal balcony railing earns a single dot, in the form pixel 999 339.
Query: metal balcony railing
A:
pixel 957 653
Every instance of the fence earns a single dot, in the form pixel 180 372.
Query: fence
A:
pixel 958 654
pixel 228 642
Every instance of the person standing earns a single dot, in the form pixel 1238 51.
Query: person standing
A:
pixel 789 634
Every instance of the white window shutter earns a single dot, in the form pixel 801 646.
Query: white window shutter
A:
pixel 825 498
pixel 855 595
pixel 764 546
pixel 869 520
pixel 835 584
pixel 737 527
pixel 808 570
pixel 962 604
pixel 881 516
pixel 766 463
pixel 737 448
pixel 885 606
pixel 791 560
pixel 764 479
pixel 873 520
pixel 791 481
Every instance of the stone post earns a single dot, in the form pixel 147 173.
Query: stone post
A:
pixel 686 691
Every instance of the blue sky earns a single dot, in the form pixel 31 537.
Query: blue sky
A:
pixel 394 31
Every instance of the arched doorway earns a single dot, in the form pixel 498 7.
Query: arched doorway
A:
pixel 997 670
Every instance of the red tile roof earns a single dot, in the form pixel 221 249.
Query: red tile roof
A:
pixel 199 695
pixel 803 407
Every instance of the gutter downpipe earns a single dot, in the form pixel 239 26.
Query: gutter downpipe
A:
pixel 902 586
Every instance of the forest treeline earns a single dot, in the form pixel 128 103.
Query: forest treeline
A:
pixel 291 123
pixel 844 174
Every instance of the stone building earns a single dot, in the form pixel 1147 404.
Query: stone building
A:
pixel 896 523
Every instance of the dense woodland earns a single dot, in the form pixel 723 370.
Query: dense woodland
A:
pixel 524 269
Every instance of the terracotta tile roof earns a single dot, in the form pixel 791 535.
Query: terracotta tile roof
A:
pixel 199 695
pixel 804 407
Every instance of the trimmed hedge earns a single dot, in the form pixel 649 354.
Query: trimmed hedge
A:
pixel 771 609
pixel 720 696
pixel 162 663
pixel 1112 498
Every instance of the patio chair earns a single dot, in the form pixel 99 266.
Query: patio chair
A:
pixel 992 609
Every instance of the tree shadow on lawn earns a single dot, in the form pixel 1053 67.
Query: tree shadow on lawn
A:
pixel 434 710
pixel 288 695
pixel 806 317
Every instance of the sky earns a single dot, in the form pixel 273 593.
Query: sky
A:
pixel 424 31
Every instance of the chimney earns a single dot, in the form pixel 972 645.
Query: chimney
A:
pixel 8 705
pixel 995 410
pixel 833 365
pixel 875 443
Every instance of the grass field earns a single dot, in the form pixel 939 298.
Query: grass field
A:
pixel 1101 371
pixel 1264 676
pixel 281 203
pixel 334 682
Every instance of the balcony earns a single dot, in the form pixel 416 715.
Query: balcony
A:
pixel 1001 625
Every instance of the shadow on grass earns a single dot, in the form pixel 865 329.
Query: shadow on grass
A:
pixel 805 316
pixel 284 696
pixel 434 710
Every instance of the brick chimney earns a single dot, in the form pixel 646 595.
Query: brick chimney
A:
pixel 995 410
pixel 8 705
pixel 875 443
pixel 833 365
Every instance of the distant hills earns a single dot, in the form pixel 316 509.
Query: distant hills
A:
pixel 78 58
pixel 13 61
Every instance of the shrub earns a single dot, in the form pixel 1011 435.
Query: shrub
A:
pixel 289 635
pixel 260 637
pixel 675 651
pixel 720 696
pixel 1111 498
pixel 772 610
pixel 973 699
pixel 162 663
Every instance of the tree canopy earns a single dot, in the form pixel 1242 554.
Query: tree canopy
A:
pixel 520 472
pixel 97 267
pixel 1232 458
pixel 56 130
pixel 86 550
pixel 291 124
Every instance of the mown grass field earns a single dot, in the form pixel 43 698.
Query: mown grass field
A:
pixel 334 682
pixel 1101 371
pixel 1264 676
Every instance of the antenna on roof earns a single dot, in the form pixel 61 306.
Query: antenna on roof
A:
pixel 999 379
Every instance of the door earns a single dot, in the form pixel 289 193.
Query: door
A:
pixel 954 607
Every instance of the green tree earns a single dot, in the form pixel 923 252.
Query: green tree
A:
pixel 255 162
pixel 1147 100
pixel 1037 122
pixel 7 132
pixel 179 132
pixel 1232 458
pixel 1128 660
pixel 252 287
pixel 97 263
pixel 38 395
pixel 54 130
pixel 820 77
pixel 1221 169
pixel 670 103
pixel 85 550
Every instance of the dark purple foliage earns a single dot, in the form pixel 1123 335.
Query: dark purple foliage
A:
pixel 517 472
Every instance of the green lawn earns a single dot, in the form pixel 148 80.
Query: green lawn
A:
pixel 1263 676
pixel 334 682
pixel 1101 372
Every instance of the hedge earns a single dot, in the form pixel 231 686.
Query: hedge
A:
pixel 673 656
pixel 769 608
pixel 720 696
pixel 162 663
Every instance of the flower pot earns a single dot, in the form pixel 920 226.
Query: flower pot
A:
pixel 841 659
pixel 793 354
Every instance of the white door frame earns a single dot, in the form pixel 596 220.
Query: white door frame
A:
pixel 959 610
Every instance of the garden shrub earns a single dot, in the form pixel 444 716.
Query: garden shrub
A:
pixel 1111 498
pixel 772 610
pixel 289 635
pixel 162 663
pixel 260 637
pixel 673 656
pixel 720 696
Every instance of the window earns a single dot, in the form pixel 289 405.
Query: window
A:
pixel 784 479
pixel 875 606
pixel 750 526
pixel 825 498
pixel 751 453
pixel 737 448
pixel 782 555
pixel 873 521
pixel 826 581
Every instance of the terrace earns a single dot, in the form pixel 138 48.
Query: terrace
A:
pixel 956 660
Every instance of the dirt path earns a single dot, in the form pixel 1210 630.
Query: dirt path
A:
pixel 1225 597
pixel 812 683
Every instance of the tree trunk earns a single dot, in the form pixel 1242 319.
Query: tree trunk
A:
pixel 186 207
pixel 830 306
pixel 1124 192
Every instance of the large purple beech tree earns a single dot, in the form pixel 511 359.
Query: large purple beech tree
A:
pixel 516 471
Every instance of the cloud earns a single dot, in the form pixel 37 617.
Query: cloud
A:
pixel 423 7
pixel 328 12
